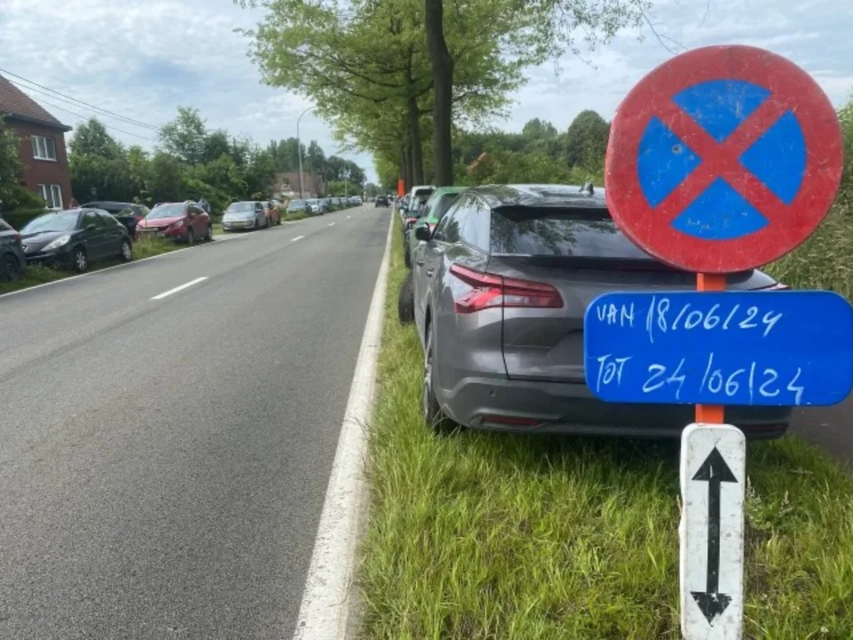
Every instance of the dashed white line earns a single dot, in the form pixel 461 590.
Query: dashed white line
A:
pixel 297 238
pixel 181 288
pixel 331 224
pixel 348 217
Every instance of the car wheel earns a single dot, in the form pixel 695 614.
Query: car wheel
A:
pixel 10 268
pixel 190 237
pixel 126 253
pixel 433 415
pixel 209 235
pixel 81 260
pixel 406 300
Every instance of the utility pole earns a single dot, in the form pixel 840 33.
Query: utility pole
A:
pixel 299 149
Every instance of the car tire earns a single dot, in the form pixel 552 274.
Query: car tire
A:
pixel 80 260
pixel 433 415
pixel 209 235
pixel 125 254
pixel 190 237
pixel 406 300
pixel 10 268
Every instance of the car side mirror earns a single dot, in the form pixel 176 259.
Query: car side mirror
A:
pixel 90 227
pixel 423 233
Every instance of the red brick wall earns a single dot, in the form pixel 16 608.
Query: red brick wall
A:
pixel 38 172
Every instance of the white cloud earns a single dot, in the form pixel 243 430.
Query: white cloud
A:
pixel 144 58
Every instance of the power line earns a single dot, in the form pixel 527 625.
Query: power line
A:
pixel 136 135
pixel 132 121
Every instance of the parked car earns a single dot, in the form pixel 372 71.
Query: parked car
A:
pixel 178 221
pixel 273 211
pixel 416 197
pixel 129 214
pixel 498 294
pixel 429 214
pixel 245 215
pixel 75 238
pixel 381 201
pixel 315 207
pixel 12 258
pixel 298 206
pixel 355 201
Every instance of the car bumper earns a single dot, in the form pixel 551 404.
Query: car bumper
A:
pixel 51 258
pixel 237 224
pixel 494 403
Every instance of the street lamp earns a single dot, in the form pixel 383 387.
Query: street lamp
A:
pixel 299 148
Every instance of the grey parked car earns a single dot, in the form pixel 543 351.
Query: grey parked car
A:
pixel 245 215
pixel 12 259
pixel 499 293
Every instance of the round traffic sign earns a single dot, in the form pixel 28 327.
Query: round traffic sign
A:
pixel 723 159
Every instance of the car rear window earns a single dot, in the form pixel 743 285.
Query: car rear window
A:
pixel 570 232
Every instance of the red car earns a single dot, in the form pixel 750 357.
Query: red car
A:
pixel 178 221
pixel 273 213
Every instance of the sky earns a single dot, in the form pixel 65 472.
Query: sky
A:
pixel 143 58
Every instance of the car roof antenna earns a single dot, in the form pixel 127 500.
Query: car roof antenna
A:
pixel 588 188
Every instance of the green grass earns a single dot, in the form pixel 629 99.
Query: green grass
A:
pixel 37 274
pixel 293 217
pixel 479 535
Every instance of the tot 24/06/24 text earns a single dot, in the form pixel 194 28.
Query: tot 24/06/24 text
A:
pixel 780 348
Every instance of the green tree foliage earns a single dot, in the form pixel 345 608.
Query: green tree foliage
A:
pixel 587 141
pixel 13 194
pixel 193 162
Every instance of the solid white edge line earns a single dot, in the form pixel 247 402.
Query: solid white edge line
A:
pixel 296 238
pixel 180 288
pixel 328 601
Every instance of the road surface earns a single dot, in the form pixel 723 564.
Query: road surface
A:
pixel 165 458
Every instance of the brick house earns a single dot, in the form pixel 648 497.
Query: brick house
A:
pixel 42 147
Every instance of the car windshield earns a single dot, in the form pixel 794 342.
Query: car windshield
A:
pixel 167 211
pixel 443 205
pixel 52 222
pixel 579 233
pixel 241 207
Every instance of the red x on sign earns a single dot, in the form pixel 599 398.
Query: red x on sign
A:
pixel 723 159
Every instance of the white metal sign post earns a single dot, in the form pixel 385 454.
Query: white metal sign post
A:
pixel 713 475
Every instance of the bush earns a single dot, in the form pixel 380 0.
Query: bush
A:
pixel 296 215
pixel 21 216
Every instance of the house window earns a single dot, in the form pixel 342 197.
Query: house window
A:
pixel 52 194
pixel 44 148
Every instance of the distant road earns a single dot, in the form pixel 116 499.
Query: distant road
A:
pixel 167 432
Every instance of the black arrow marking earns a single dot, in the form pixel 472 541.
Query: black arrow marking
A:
pixel 713 471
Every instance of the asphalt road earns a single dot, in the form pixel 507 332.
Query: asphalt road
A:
pixel 164 462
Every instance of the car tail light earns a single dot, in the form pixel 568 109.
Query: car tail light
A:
pixel 411 220
pixel 431 227
pixel 490 290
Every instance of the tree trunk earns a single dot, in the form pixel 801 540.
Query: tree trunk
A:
pixel 415 141
pixel 407 169
pixel 442 75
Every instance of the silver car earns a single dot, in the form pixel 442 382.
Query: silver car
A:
pixel 499 293
pixel 244 215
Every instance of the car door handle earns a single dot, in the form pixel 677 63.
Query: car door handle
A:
pixel 420 263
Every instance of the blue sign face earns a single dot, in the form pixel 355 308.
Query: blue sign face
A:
pixel 777 159
pixel 783 348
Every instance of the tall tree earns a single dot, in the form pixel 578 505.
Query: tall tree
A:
pixel 587 141
pixel 185 137
pixel 92 137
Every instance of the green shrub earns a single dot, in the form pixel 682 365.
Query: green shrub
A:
pixel 296 215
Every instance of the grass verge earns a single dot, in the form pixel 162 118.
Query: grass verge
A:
pixel 36 274
pixel 293 217
pixel 480 535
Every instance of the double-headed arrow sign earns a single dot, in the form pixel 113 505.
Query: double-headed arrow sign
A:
pixel 711 531
pixel 714 471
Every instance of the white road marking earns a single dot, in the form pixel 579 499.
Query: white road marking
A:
pixel 181 288
pixel 331 224
pixel 348 217
pixel 297 238
pixel 328 600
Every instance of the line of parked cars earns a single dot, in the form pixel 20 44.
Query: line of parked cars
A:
pixel 500 279
pixel 251 215
pixel 319 206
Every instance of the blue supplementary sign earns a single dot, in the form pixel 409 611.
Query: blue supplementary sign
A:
pixel 784 348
